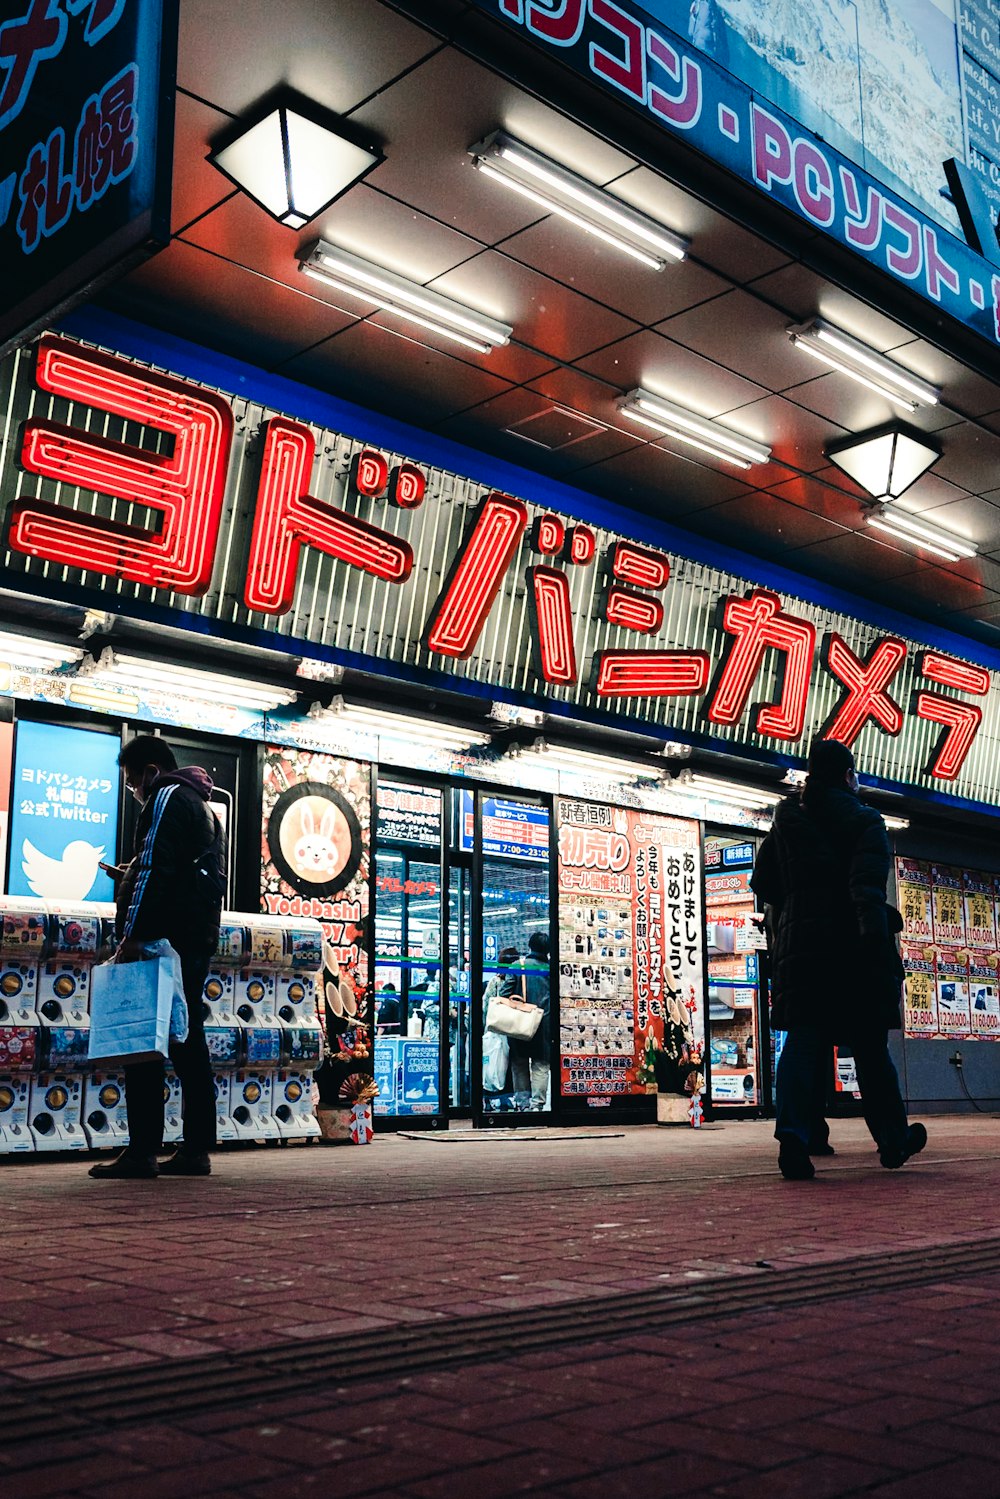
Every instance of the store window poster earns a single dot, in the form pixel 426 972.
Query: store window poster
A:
pixel 64 812
pixel 920 1005
pixel 913 894
pixel 947 906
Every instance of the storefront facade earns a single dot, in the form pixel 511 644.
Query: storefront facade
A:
pixel 517 730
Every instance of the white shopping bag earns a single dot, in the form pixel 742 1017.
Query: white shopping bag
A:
pixel 496 1052
pixel 130 1011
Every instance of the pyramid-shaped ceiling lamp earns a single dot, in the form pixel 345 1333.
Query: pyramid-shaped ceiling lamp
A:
pixel 293 166
pixel 885 460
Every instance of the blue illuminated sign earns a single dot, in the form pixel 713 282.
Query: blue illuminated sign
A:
pixel 64 813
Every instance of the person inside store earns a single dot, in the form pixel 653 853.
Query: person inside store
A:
pixel 836 972
pixel 173 888
pixel 529 1060
pixel 387 1011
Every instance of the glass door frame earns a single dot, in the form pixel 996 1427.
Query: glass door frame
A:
pixel 451 857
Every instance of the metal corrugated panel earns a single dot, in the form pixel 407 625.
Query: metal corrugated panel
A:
pixel 338 607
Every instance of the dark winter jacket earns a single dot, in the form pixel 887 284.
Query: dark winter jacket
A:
pixel 823 870
pixel 530 982
pixel 173 887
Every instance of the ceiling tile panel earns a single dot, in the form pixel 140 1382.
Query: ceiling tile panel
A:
pixel 488 424
pixel 854 560
pixel 672 371
pixel 337 54
pixel 796 437
pixel 584 263
pixel 545 313
pixel 428 121
pixel 741 334
pixel 197 186
pixel 198 296
pixel 805 295
pixel 761 524
pixel 660 483
pixel 823 500
pixel 971 459
pixel 394 374
pixel 970 518
pixel 716 241
pixel 969 392
pixel 946 590
pixel 855 408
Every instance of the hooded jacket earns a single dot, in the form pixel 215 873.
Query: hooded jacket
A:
pixel 174 885
pixel 823 870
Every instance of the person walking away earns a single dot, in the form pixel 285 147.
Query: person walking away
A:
pixel 172 889
pixel 529 1060
pixel 836 972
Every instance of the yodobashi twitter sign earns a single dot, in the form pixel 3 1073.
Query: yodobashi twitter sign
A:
pixel 64 812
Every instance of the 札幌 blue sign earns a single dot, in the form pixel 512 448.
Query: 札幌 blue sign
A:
pixel 64 813
pixel 85 148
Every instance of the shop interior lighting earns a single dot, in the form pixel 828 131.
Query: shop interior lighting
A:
pixel 885 460
pixel 851 357
pixel 555 188
pixel 686 426
pixel 404 299
pixel 715 788
pixel 896 824
pixel 312 670
pixel 584 762
pixel 920 533
pixel 352 718
pixel 42 655
pixel 292 166
pixel 138 674
pixel 87 693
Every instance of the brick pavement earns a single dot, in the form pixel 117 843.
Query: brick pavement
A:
pixel 890 1393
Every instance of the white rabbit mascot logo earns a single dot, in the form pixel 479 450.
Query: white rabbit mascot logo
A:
pixel 315 839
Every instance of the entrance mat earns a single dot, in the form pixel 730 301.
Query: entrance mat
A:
pixel 476 1136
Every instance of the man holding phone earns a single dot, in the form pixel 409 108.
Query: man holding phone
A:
pixel 173 888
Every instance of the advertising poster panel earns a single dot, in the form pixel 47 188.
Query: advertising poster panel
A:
pixel 984 996
pixel 64 812
pixel 315 857
pixel 947 905
pixel 954 1020
pixel 920 1010
pixel 980 918
pixel 631 985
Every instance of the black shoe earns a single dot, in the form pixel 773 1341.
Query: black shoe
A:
pixel 187 1163
pixel 793 1160
pixel 821 1147
pixel 126 1167
pixel 894 1156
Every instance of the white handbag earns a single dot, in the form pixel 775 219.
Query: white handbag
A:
pixel 513 1018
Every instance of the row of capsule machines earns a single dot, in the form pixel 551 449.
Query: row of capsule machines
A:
pixel 261 1025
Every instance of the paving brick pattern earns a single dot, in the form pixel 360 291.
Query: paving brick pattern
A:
pixel 891 1394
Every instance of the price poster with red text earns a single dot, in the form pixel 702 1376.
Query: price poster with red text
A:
pixel 631 981
pixel 980 919
pixel 984 996
pixel 913 895
pixel 947 906
pixel 920 1008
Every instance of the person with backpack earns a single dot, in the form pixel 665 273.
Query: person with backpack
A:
pixel 836 974
pixel 173 889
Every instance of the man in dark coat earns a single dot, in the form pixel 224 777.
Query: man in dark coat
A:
pixel 172 889
pixel 835 970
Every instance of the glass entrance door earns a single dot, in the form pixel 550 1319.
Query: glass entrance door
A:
pixel 510 944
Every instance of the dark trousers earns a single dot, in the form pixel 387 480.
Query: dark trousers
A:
pixel 145 1082
pixel 800 1083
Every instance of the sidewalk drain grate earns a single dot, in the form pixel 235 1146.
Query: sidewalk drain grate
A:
pixel 168 1391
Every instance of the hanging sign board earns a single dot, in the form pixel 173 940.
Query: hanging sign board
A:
pixel 86 124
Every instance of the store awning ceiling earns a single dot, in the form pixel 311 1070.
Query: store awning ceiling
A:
pixel 709 333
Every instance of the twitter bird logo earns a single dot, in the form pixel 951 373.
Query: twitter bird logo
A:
pixel 68 878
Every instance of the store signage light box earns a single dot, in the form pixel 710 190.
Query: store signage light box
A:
pixel 86 109
pixel 325 541
pixel 745 105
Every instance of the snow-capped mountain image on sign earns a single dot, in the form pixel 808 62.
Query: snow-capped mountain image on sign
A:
pixel 69 878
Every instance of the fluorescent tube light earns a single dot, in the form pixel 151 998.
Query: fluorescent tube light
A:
pixel 853 358
pixel 41 655
pixel 919 533
pixel 406 299
pixel 591 208
pixel 90 694
pixel 139 673
pixel 897 824
pixel 584 762
pixel 717 789
pixel 403 726
pixel 686 426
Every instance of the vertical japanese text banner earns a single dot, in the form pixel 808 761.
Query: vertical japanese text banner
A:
pixel 631 982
